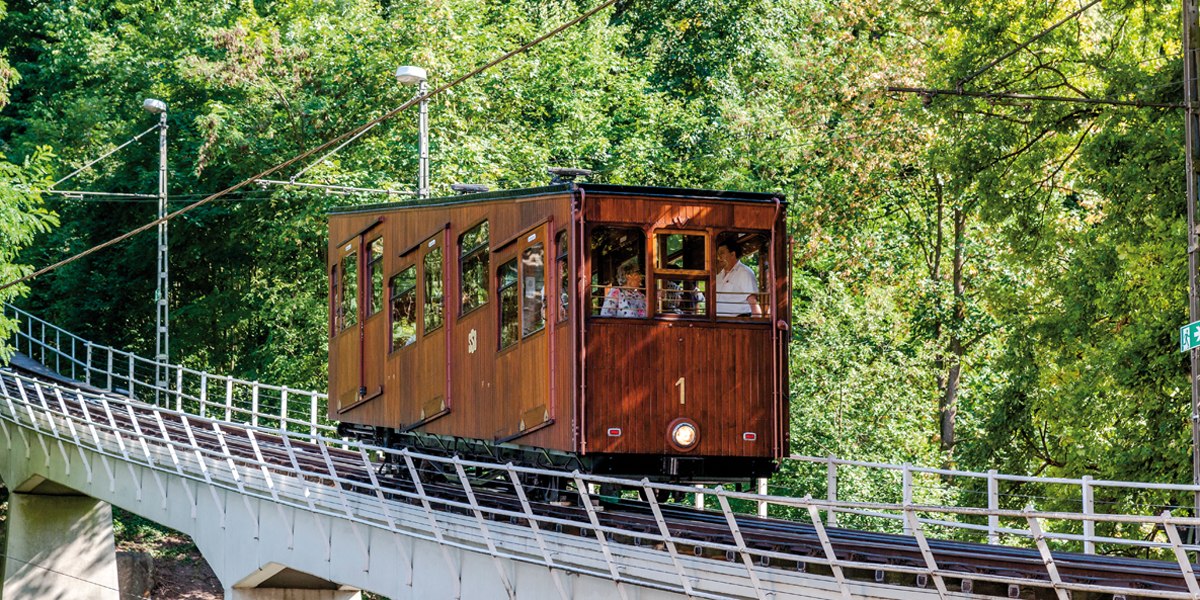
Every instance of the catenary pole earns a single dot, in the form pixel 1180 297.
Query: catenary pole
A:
pixel 1191 136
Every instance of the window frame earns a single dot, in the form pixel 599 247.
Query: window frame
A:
pixel 522 279
pixel 429 246
pixel 562 265
pixel 417 320
pixel 643 254
pixel 500 289
pixel 369 278
pixel 464 255
pixel 709 251
pixel 762 275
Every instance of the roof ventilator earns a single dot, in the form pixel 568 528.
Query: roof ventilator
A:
pixel 560 175
pixel 469 188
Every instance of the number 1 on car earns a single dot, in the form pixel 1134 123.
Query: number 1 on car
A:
pixel 682 390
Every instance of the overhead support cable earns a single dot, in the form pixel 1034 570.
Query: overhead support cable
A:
pixel 930 93
pixel 337 188
pixel 299 157
pixel 106 155
pixel 314 163
pixel 959 86
pixel 80 194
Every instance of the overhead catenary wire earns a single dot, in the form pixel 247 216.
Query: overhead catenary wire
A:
pixel 299 157
pixel 932 92
pixel 85 167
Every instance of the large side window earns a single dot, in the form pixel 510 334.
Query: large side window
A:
pixel 404 308
pixel 680 273
pixel 433 288
pixel 618 287
pixel 335 302
pixel 473 250
pixel 743 278
pixel 375 276
pixel 349 300
pixel 507 292
pixel 533 277
pixel 564 276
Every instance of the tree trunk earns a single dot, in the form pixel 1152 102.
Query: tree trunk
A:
pixel 948 407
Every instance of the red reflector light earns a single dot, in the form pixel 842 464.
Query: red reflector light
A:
pixel 614 432
pixel 749 436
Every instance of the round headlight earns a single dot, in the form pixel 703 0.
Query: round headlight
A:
pixel 684 434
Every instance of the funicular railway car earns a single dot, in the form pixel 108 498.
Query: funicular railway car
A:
pixel 607 328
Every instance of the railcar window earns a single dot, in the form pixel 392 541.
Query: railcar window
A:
pixel 375 276
pixel 676 296
pixel 349 307
pixel 618 285
pixel 533 278
pixel 433 290
pixel 404 307
pixel 473 248
pixel 506 290
pixel 744 272
pixel 564 284
pixel 335 303
pixel 677 251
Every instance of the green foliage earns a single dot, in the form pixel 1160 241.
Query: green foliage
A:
pixel 1019 262
pixel 22 217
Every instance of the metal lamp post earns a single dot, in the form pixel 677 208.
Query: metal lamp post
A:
pixel 416 76
pixel 162 338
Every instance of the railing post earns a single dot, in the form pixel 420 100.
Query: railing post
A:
pixel 313 416
pixel 906 492
pixel 204 394
pixel 109 372
pixel 228 398
pixel 1089 508
pixel 993 498
pixel 283 409
pixel 699 497
pixel 831 473
pixel 132 386
pixel 254 404
pixel 57 352
pixel 762 491
pixel 87 371
pixel 179 388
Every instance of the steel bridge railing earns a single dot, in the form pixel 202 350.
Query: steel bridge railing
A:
pixel 421 496
pixel 279 407
pixel 188 390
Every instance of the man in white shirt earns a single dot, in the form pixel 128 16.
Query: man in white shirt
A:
pixel 736 284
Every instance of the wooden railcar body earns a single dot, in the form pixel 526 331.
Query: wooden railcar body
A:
pixel 604 388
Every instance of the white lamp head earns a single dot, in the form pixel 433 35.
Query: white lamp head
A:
pixel 154 106
pixel 410 75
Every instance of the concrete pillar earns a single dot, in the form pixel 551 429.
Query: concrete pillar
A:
pixel 60 545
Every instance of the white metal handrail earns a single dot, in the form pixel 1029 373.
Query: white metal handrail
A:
pixel 33 409
pixel 279 407
pixel 907 488
pixel 189 390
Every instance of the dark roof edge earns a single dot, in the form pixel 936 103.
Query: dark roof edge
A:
pixel 598 188
pixel 451 200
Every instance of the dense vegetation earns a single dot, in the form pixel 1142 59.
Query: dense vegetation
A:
pixel 978 283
